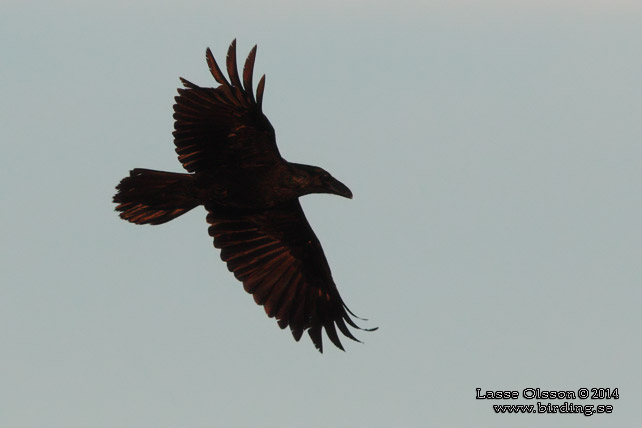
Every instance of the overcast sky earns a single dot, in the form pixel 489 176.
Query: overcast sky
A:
pixel 495 236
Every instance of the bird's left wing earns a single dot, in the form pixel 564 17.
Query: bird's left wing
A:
pixel 224 126
pixel 281 263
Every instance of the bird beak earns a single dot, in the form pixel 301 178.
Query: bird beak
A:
pixel 338 188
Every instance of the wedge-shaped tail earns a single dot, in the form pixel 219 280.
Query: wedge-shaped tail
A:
pixel 154 197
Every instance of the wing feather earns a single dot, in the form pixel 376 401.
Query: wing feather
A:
pixel 214 69
pixel 265 289
pixel 248 70
pixel 273 302
pixel 233 72
pixel 259 92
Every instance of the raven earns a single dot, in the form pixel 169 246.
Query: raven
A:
pixel 251 194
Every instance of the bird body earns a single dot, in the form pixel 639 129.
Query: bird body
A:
pixel 235 170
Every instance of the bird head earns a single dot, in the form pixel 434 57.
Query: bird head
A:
pixel 312 179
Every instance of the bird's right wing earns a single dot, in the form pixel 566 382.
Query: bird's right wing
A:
pixel 224 126
pixel 281 263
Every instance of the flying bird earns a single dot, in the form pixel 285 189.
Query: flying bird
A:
pixel 228 147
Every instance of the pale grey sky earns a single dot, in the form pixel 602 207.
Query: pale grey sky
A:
pixel 494 152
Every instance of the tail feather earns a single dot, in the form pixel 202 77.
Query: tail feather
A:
pixel 154 197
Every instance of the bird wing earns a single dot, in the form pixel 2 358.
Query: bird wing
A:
pixel 223 126
pixel 281 263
